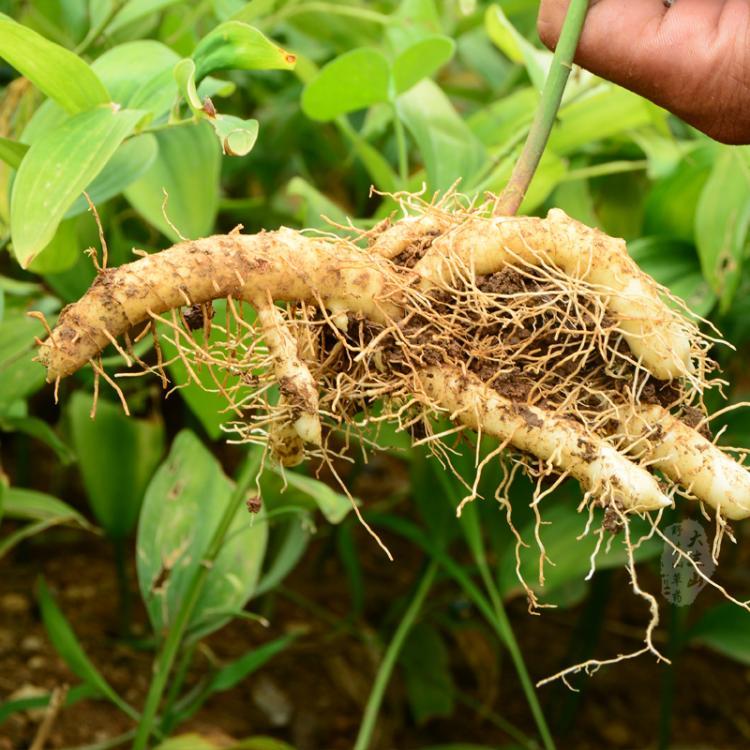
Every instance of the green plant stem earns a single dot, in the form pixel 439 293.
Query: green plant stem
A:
pixel 677 620
pixel 403 157
pixel 389 659
pixel 173 642
pixel 509 201
pixel 175 686
pixel 125 599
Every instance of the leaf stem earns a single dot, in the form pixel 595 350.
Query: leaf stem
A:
pixel 509 201
pixel 389 659
pixel 403 157
pixel 170 649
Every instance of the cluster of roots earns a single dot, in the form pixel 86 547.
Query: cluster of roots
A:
pixel 449 323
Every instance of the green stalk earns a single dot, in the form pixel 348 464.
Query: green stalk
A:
pixel 170 649
pixel 125 604
pixel 403 159
pixel 473 533
pixel 389 659
pixel 509 201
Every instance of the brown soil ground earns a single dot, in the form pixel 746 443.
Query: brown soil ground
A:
pixel 313 694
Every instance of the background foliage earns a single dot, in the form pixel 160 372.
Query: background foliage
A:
pixel 316 102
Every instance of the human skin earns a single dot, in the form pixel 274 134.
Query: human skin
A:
pixel 692 58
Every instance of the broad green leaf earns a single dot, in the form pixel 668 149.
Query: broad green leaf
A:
pixel 235 45
pixel 129 162
pixel 449 150
pixel 355 80
pixel 57 167
pixel 421 60
pixel 512 44
pixel 67 646
pixel 187 168
pixel 182 507
pixel 12 152
pixel 725 628
pixel 139 75
pixel 426 670
pixel 190 741
pixel 569 557
pixel 675 264
pixel 19 375
pixel 722 221
pixel 30 505
pixel 117 455
pixel 54 70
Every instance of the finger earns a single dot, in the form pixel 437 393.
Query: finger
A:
pixel 688 459
pixel 685 58
pixel 563 443
pixel 658 337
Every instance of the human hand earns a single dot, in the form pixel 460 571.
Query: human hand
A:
pixel 692 58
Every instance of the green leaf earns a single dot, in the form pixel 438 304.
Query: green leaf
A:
pixel 726 629
pixel 57 167
pixel 19 374
pixel 75 694
pixel 355 80
pixel 54 70
pixel 237 136
pixel 450 150
pixel 12 152
pixel 722 222
pixel 599 114
pixel 427 678
pixel 569 557
pixel 421 60
pixel 117 456
pixel 235 45
pixel 187 168
pixel 135 10
pixel 67 646
pixel 30 505
pixel 127 68
pixel 333 505
pixel 131 160
pixel 181 510
pixel 184 75
pixel 513 45
pixel 39 429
